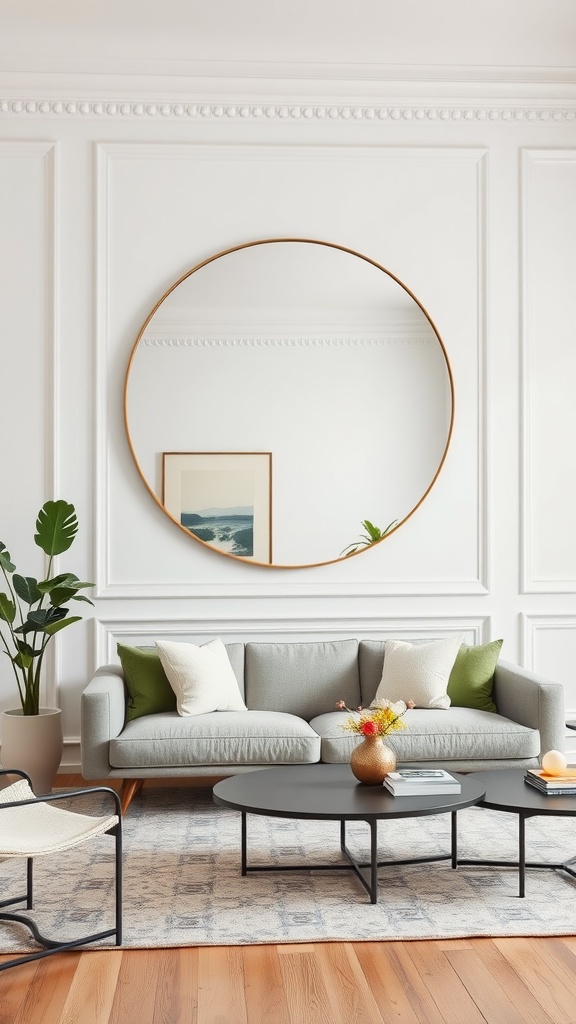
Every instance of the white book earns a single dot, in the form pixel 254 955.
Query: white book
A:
pixel 422 777
pixel 415 790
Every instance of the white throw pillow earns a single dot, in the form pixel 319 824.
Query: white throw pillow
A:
pixel 202 677
pixel 418 672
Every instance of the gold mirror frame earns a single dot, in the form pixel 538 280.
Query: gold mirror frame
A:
pixel 249 245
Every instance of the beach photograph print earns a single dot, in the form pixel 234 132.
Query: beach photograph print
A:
pixel 222 499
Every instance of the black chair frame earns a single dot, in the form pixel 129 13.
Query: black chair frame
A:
pixel 56 945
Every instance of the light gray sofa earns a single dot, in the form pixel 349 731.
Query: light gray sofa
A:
pixel 291 690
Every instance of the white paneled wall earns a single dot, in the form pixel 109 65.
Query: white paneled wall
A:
pixel 549 351
pixel 105 202
pixel 387 196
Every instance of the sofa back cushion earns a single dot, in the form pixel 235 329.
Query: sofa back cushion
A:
pixel 304 679
pixel 370 663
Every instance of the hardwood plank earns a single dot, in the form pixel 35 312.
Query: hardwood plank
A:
pixel 137 972
pixel 443 984
pixel 346 985
pixel 15 984
pixel 399 992
pixel 308 1001
pixel 49 989
pixel 295 947
pixel 454 943
pixel 488 995
pixel 568 940
pixel 560 958
pixel 221 985
pixel 532 965
pixel 177 988
pixel 265 996
pixel 500 968
pixel 93 988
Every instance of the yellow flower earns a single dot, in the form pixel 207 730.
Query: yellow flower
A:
pixel 381 718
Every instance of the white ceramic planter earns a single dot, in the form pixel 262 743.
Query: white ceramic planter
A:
pixel 34 744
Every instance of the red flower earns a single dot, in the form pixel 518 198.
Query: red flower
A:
pixel 369 728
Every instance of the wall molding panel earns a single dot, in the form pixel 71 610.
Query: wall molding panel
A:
pixel 548 501
pixel 540 624
pixel 109 158
pixel 47 339
pixel 355 587
pixel 549 648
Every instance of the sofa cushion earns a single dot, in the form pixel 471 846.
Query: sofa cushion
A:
pixel 218 738
pixel 149 691
pixel 304 679
pixel 370 664
pixel 202 677
pixel 456 734
pixel 472 677
pixel 418 673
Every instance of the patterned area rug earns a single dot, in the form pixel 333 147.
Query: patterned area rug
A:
pixel 182 883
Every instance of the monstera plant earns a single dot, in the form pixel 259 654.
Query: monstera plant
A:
pixel 33 611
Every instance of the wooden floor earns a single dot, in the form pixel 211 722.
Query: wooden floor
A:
pixel 478 981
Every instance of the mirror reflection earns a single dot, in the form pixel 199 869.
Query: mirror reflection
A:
pixel 285 399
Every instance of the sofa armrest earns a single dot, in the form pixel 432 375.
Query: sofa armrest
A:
pixel 530 700
pixel 103 712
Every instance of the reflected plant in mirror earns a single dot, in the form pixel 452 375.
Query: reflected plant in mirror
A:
pixel 301 349
pixel 372 536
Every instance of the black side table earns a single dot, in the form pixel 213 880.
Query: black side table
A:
pixel 506 790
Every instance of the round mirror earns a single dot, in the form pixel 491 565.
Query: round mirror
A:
pixel 289 402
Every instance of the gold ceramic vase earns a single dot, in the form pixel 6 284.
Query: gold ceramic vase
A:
pixel 371 761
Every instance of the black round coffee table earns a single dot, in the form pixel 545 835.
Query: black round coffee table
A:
pixel 506 790
pixel 329 792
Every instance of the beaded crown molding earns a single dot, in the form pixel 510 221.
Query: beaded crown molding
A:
pixel 183 342
pixel 199 111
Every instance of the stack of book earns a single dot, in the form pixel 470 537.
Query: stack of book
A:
pixel 421 782
pixel 552 785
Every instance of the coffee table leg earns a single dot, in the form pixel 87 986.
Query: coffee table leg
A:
pixel 244 865
pixel 373 861
pixel 360 869
pixel 521 855
pixel 454 840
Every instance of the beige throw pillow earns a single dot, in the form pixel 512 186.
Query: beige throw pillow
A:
pixel 418 672
pixel 202 677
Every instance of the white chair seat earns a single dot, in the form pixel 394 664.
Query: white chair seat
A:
pixel 40 828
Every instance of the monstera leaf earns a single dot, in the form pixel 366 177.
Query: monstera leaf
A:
pixel 56 527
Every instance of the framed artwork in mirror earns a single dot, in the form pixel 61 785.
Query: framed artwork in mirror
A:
pixel 224 499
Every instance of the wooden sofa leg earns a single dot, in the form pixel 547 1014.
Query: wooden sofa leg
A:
pixel 130 787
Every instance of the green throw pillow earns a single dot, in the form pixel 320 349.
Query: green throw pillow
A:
pixel 146 681
pixel 472 677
